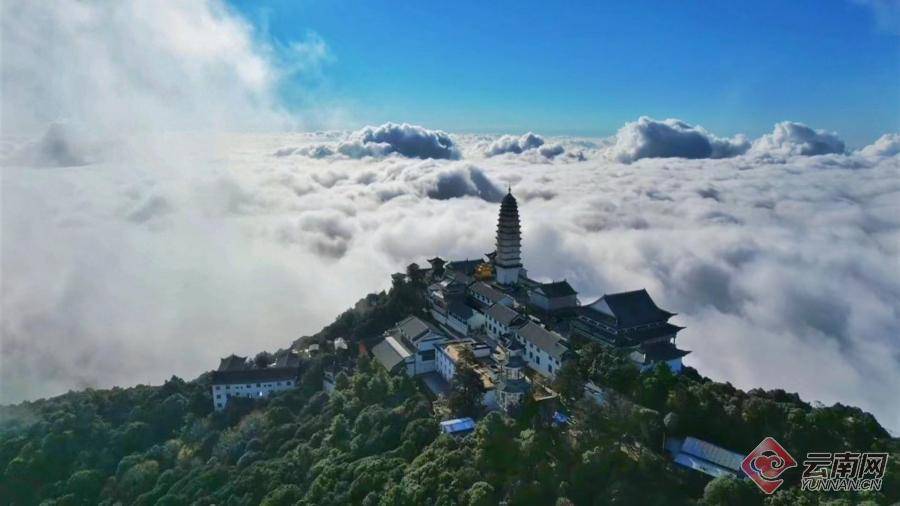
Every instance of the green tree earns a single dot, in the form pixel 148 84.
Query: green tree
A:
pixel 340 431
pixel 285 495
pixel 466 391
pixel 728 491
pixel 263 359
pixel 569 382
pixel 481 493
pixel 85 485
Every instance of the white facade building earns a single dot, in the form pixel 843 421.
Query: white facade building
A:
pixel 409 347
pixel 499 320
pixel 448 355
pixel 463 319
pixel 235 377
pixel 487 295
pixel 545 351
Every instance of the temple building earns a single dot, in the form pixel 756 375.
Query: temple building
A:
pixel 631 321
pixel 553 296
pixel 508 257
pixel 494 301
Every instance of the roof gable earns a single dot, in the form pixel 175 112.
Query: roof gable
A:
pixel 550 342
pixel 459 309
pixel 232 363
pixel 463 266
pixel 413 327
pixel 390 353
pixel 254 375
pixel 633 308
pixel 557 289
pixel 502 314
pixel 487 291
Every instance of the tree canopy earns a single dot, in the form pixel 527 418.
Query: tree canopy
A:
pixel 375 440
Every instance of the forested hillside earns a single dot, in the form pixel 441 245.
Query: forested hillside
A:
pixel 376 441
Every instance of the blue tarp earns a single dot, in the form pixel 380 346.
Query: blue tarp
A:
pixel 457 425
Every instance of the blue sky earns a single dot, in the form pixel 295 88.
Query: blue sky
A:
pixel 587 67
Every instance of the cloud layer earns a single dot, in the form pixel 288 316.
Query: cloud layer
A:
pixel 116 276
pixel 134 253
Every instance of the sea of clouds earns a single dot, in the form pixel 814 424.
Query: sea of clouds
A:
pixel 151 232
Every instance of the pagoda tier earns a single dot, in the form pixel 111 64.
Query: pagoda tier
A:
pixel 508 259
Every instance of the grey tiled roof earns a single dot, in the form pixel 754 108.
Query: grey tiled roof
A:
pixel 232 363
pixel 635 308
pixel 463 266
pixel 487 291
pixel 547 341
pixel 502 314
pixel 459 309
pixel 387 355
pixel 286 359
pixel 253 375
pixel 413 327
pixel 557 289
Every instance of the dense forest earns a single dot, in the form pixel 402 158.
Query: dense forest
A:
pixel 375 439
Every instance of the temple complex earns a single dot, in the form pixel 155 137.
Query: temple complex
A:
pixel 524 328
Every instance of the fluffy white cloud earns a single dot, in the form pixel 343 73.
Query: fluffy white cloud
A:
pixel 513 144
pixel 411 141
pixel 554 150
pixel 790 138
pixel 886 145
pixel 461 182
pixel 671 138
pixel 134 66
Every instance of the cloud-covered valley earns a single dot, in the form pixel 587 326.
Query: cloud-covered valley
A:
pixel 131 252
pixel 783 270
